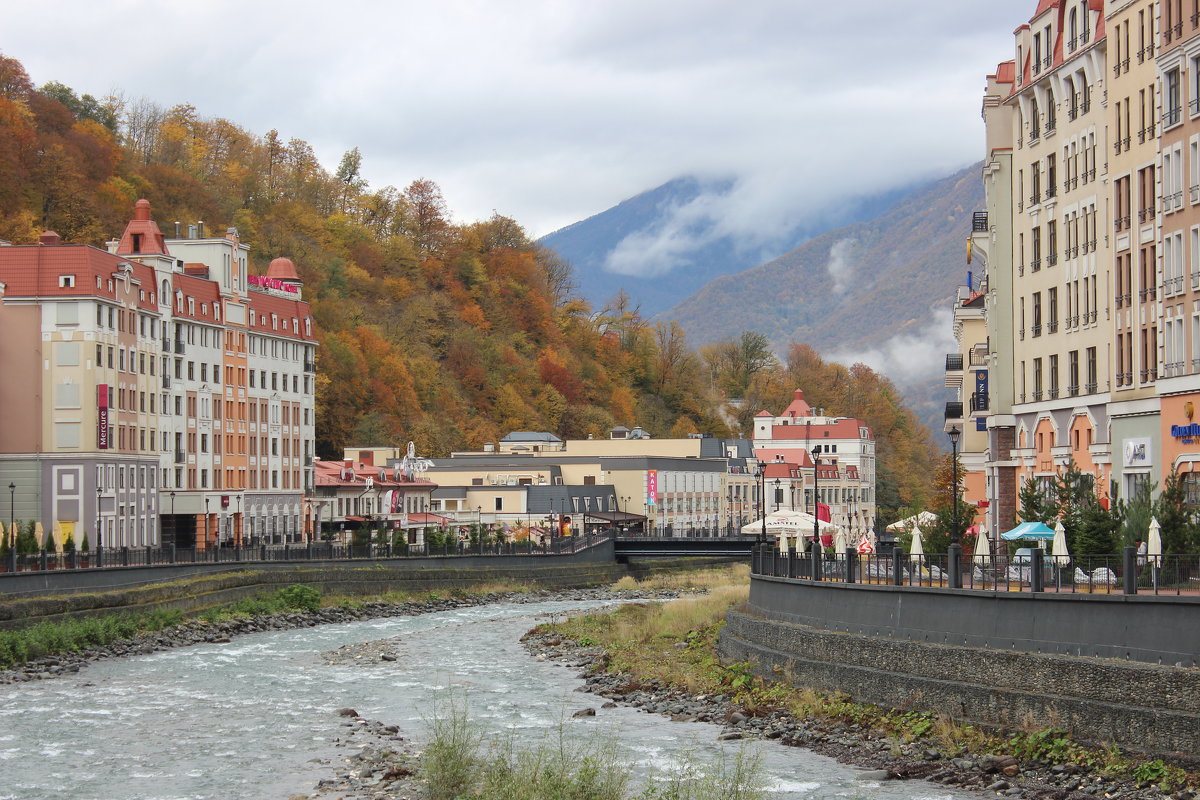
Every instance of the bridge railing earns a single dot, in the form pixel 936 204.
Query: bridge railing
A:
pixel 1124 573
pixel 311 551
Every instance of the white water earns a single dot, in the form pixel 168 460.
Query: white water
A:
pixel 251 718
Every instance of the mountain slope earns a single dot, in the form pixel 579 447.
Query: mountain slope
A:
pixel 852 287
pixel 876 292
pixel 666 243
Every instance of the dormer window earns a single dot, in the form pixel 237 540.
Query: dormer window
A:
pixel 66 281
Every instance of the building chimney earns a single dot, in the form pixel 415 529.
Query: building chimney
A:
pixel 200 229
pixel 49 238
pixel 178 229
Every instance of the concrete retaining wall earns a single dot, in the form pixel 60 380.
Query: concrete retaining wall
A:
pixel 1162 629
pixel 960 654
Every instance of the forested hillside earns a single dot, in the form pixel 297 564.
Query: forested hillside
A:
pixel 450 334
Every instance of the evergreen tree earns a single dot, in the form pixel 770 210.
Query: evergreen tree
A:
pixel 1137 512
pixel 1035 505
pixel 1179 525
pixel 85 547
pixel 27 543
pixel 1075 493
pixel 1098 532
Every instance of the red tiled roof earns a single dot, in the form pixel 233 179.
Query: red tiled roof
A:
pixel 263 305
pixel 282 269
pixel 799 407
pixel 794 455
pixel 841 429
pixel 204 292
pixel 763 413
pixel 1006 71
pixel 779 469
pixel 34 271
pixel 329 473
pixel 149 238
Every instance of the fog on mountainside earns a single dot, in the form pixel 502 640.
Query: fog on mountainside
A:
pixel 666 243
pixel 877 291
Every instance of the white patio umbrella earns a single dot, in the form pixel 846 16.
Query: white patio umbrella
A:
pixel 840 541
pixel 983 546
pixel 1154 543
pixel 1058 547
pixel 916 550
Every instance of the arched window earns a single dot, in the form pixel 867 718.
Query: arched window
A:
pixel 1073 27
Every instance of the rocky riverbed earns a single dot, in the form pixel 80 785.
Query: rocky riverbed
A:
pixel 197 631
pixel 881 756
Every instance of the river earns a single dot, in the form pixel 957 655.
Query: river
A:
pixel 256 717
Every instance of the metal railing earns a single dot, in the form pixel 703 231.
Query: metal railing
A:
pixel 313 551
pixel 1125 573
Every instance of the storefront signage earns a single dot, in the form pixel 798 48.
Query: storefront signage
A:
pixel 981 381
pixel 1137 452
pixel 652 487
pixel 271 283
pixel 102 417
pixel 1187 433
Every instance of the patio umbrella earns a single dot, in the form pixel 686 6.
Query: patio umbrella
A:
pixel 916 550
pixel 1029 530
pixel 1154 543
pixel 983 546
pixel 1058 547
pixel 840 541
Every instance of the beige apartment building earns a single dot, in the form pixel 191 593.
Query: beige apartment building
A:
pixel 1172 307
pixel 1134 122
pixel 1062 285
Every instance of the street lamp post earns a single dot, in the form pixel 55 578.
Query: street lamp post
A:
pixel 955 547
pixel 12 524
pixel 206 529
pixel 778 493
pixel 762 497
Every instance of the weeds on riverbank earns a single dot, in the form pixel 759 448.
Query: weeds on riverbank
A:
pixel 70 636
pixel 460 764
pixel 675 643
pixel 700 580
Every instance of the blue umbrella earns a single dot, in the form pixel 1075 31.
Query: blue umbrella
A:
pixel 1029 530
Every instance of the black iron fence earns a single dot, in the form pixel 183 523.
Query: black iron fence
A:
pixel 314 551
pixel 1125 573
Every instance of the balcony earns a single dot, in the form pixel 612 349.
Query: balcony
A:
pixel 954 410
pixel 179 457
pixel 979 401
pixel 1173 369
pixel 310 366
pixel 954 362
pixel 1146 214
pixel 166 345
pixel 1170 117
pixel 166 381
pixel 179 348
pixel 1173 286
pixel 979 222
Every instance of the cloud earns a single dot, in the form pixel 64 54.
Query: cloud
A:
pixel 840 268
pixel 910 360
pixel 550 112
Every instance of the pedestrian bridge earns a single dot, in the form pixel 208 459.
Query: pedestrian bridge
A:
pixel 684 546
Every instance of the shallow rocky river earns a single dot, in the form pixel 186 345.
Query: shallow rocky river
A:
pixel 257 717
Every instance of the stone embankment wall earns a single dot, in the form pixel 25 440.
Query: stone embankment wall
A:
pixel 107 591
pixel 1148 707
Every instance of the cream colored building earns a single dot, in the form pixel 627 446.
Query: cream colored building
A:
pixel 1063 283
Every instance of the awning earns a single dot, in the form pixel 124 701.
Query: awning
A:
pixel 615 516
pixel 1029 530
pixel 428 519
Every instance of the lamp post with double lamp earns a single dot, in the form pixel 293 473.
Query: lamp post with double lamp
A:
pixel 955 547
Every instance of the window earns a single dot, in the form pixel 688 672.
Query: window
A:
pixel 499 504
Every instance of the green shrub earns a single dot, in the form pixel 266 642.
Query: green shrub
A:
pixel 301 596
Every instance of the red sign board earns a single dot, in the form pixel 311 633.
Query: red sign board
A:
pixel 102 416
pixel 652 487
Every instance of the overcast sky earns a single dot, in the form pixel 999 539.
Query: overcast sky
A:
pixel 552 110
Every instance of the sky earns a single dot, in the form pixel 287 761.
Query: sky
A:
pixel 549 111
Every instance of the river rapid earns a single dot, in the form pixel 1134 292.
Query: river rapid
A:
pixel 256 717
